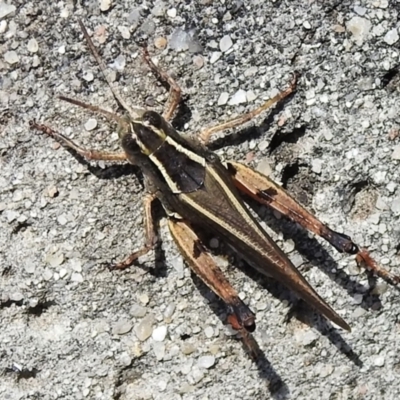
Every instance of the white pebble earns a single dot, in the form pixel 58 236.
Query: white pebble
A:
pixel 88 76
pixel 61 49
pixel 105 5
pixel 360 28
pixel 76 277
pixel 225 43
pixel 215 56
pixel 379 361
pixel 171 12
pixel 306 25
pixel 91 124
pixel 11 57
pixel 124 32
pixel 209 332
pixel 3 26
pixel 159 333
pixel 144 329
pixel 122 327
pixel 391 37
pixel 238 98
pixel 206 362
pixel 250 96
pixel 33 46
pixel 223 98
pixel 6 9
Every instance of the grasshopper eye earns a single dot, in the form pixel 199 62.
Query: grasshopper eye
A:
pixel 151 118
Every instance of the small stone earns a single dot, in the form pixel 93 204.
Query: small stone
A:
pixel 188 348
pixel 209 332
pixel 33 46
pixel 119 63
pixel 214 243
pixel 391 37
pixel 6 9
pixel 359 27
pixel 171 12
pixel 159 333
pixel 91 124
pixel 159 350
pixel 124 31
pixel 52 191
pixel 145 328
pixel 197 375
pixel 61 49
pixel 206 362
pixel 396 153
pixel 105 5
pixel 316 165
pixel 250 96
pixel 215 56
pixel 198 61
pixel 306 25
pixel 3 26
pixel 76 277
pixel 379 361
pixel 11 215
pixel 125 359
pixel 238 98
pixel 360 10
pixel 395 207
pixel 122 327
pixel 144 298
pixel 306 337
pixel 223 98
pixel 169 311
pixel 264 167
pixel 358 312
pixel 16 296
pixel 62 273
pixel 11 57
pixel 138 311
pixel 251 71
pixel 225 43
pixel 160 42
pixel 54 259
pixel 88 76
pixel 62 219
pixel 159 8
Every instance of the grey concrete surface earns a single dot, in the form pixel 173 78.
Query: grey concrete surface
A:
pixel 70 328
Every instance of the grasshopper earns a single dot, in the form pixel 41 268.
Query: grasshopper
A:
pixel 198 190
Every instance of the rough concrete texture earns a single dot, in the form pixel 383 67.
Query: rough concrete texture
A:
pixel 70 328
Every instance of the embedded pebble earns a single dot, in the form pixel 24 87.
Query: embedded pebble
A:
pixel 160 42
pixel 171 12
pixel 264 167
pixel 306 25
pixel 225 43
pixel 138 311
pixel 11 57
pixel 358 312
pixel 223 98
pixel 159 8
pixel 144 298
pixel 105 5
pixel 169 311
pixel 62 219
pixel 54 259
pixel 125 359
pixel 88 76
pixel 3 26
pixel 198 61
pixel 187 348
pixel 16 296
pixel 391 37
pixel 305 338
pixel 238 98
pixel 206 362
pixel 359 27
pixel 32 45
pixel 159 350
pixel 6 9
pixel 396 153
pixel 209 332
pixel 251 71
pixel 215 56
pixel 250 96
pixel 159 333
pixel 91 124
pixel 124 31
pixel 122 327
pixel 379 361
pixel 76 277
pixel 145 328
pixel 395 207
pixel 52 191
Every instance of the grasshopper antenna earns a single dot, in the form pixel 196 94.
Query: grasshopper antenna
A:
pixel 133 112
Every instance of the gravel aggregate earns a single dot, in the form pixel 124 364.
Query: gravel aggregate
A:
pixel 73 329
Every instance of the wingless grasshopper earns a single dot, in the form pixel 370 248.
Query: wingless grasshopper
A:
pixel 197 189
